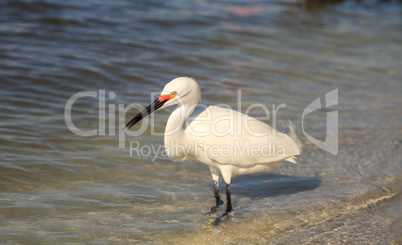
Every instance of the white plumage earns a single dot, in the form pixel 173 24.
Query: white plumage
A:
pixel 229 142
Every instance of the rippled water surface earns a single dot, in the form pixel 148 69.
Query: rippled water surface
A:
pixel 59 187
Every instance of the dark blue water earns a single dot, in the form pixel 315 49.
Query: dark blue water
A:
pixel 60 187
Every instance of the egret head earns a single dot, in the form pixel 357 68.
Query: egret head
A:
pixel 182 91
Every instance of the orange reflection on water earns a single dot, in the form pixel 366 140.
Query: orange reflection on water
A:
pixel 245 10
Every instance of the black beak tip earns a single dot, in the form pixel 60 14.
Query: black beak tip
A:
pixel 148 110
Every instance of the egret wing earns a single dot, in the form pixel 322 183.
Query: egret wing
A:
pixel 226 136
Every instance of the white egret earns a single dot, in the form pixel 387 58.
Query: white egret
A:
pixel 229 142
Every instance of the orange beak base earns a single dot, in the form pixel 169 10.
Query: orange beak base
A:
pixel 165 97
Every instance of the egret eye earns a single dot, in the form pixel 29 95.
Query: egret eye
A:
pixel 173 94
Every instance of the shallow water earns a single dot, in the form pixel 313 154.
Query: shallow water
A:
pixel 59 187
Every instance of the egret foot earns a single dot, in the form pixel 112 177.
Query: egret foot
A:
pixel 215 208
pixel 218 200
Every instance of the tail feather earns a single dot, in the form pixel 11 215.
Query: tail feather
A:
pixel 293 136
pixel 291 159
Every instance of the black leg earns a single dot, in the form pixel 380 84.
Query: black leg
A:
pixel 218 200
pixel 228 199
pixel 216 191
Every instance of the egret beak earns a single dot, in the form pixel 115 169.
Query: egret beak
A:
pixel 158 103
